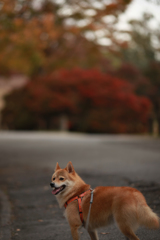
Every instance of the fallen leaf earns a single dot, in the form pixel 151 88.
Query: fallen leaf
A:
pixel 40 220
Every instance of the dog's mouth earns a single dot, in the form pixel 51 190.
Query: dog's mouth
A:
pixel 56 191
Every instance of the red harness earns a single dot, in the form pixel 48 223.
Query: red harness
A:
pixel 79 199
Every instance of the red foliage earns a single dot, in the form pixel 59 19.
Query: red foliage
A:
pixel 94 102
pixel 133 75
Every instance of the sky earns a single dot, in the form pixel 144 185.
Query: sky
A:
pixel 136 9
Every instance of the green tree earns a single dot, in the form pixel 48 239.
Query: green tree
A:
pixel 143 51
pixel 144 46
pixel 153 74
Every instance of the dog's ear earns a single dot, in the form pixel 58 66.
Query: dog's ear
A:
pixel 57 167
pixel 70 168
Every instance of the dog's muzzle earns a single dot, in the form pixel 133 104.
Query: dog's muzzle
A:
pixel 57 190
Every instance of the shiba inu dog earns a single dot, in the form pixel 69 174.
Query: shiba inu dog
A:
pixel 125 205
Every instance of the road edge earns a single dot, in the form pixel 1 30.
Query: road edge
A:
pixel 5 217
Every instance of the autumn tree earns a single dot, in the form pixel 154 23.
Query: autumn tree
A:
pixel 41 36
pixel 135 77
pixel 91 100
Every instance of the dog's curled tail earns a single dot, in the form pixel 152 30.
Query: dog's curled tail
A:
pixel 148 218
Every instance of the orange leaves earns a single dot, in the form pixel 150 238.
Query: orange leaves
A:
pixel 27 34
pixel 48 21
pixel 8 6
pixel 41 38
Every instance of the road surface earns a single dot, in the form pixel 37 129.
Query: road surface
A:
pixel 29 211
pixel 129 156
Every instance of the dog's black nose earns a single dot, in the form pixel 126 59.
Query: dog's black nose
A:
pixel 52 184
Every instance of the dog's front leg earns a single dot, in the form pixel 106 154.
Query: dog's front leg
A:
pixel 93 234
pixel 72 215
pixel 75 232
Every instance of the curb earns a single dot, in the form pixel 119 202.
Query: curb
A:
pixel 5 217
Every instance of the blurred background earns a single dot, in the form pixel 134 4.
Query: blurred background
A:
pixel 82 66
pixel 76 66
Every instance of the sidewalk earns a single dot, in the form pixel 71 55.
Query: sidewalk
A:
pixel 35 214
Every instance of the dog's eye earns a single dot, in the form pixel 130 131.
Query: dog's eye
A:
pixel 53 178
pixel 61 178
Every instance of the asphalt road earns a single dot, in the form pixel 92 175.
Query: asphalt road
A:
pixel 129 156
pixel 29 211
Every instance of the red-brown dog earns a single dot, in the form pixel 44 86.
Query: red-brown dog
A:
pixel 125 205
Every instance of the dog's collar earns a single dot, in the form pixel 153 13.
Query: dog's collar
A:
pixel 79 199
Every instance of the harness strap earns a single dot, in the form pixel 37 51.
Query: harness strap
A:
pixel 88 217
pixel 79 199
pixel 80 208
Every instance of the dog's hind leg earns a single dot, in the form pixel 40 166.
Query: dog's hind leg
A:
pixel 126 219
pixel 128 232
pixel 93 234
pixel 130 235
pixel 127 228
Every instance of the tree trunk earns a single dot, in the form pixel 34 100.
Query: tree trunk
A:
pixel 63 125
pixel 155 127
